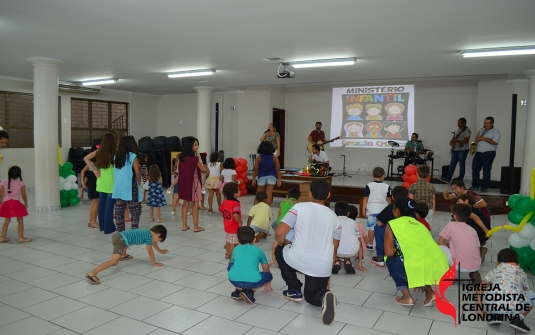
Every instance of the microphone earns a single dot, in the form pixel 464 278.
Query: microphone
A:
pixel 266 131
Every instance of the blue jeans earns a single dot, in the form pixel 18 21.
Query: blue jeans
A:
pixel 396 268
pixel 482 160
pixel 105 213
pixel 457 156
pixel 266 278
pixel 380 241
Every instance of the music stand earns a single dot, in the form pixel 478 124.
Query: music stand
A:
pixel 344 173
pixel 390 170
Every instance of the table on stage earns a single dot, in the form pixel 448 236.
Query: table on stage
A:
pixel 289 181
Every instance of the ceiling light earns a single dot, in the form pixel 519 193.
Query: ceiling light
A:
pixel 191 73
pixel 324 62
pixel 100 82
pixel 512 51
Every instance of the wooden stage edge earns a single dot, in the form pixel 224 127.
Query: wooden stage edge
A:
pixel 354 195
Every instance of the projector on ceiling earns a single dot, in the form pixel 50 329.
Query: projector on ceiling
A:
pixel 285 73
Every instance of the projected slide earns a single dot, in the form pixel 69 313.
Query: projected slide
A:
pixel 370 116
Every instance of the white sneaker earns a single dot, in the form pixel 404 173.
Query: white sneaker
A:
pixel 203 191
pixel 173 213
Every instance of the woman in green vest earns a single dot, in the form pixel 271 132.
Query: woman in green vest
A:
pixel 414 258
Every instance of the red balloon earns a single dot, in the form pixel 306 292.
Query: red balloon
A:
pixel 413 179
pixel 411 169
pixel 240 169
pixel 242 175
pixel 243 186
pixel 243 193
pixel 242 162
pixel 428 178
pixel 406 185
pixel 236 162
pixel 405 177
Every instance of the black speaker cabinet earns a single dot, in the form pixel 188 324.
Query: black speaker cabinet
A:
pixel 445 169
pixel 510 181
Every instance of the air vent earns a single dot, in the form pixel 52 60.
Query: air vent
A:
pixel 274 59
pixel 77 88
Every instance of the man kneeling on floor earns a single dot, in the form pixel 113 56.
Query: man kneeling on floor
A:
pixel 316 238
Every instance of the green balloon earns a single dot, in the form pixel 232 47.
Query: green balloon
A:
pixel 63 194
pixel 74 201
pixel 64 202
pixel 72 173
pixel 67 166
pixel 515 217
pixel 525 205
pixel 513 200
pixel 526 256
pixel 64 173
pixel 73 193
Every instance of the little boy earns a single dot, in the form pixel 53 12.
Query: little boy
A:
pixel 127 238
pixel 349 241
pixel 421 210
pixel 243 268
pixel 353 214
pixel 231 211
pixel 459 241
pixel 478 221
pixel 291 199
pixel 382 220
pixel 376 198
pixel 259 217
pixel 312 251
pixel 424 191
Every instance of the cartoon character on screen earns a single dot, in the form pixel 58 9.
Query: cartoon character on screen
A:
pixel 394 128
pixel 394 111
pixel 373 111
pixel 354 129
pixel 374 128
pixel 354 110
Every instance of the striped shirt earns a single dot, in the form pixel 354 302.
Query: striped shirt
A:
pixel 137 237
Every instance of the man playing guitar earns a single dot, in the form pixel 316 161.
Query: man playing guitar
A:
pixel 317 136
pixel 460 145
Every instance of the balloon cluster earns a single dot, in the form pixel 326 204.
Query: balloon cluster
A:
pixel 241 174
pixel 68 194
pixel 523 239
pixel 411 176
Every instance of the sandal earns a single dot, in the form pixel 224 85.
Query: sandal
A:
pixel 200 229
pixel 126 257
pixel 94 225
pixel 431 303
pixel 187 228
pixel 349 267
pixel 4 240
pixel 337 266
pixel 151 220
pixel 93 279
pixel 398 301
pixel 203 208
pixel 227 256
pixel 24 240
pixel 210 211
pixel 160 220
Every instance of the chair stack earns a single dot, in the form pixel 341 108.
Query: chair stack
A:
pixel 76 157
pixel 162 155
pixel 174 143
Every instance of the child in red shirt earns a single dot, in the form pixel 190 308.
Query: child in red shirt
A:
pixel 231 211
pixel 421 210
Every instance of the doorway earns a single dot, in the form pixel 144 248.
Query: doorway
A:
pixel 279 121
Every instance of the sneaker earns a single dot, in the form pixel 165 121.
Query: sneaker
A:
pixel 293 295
pixel 247 296
pixel 443 180
pixel 236 295
pixel 519 324
pixel 369 247
pixel 473 188
pixel 377 262
pixel 494 322
pixel 349 267
pixel 173 213
pixel 483 190
pixel 336 267
pixel 328 308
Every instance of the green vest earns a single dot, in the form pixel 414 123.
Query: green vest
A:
pixel 425 263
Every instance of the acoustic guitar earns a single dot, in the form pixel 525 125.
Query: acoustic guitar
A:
pixel 321 143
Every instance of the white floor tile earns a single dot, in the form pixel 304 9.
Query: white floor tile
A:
pixel 29 326
pixel 403 324
pixel 224 327
pixel 109 298
pixel 27 298
pixel 127 282
pixel 85 319
pixel 140 308
pixel 176 319
pixel 54 308
pixel 79 289
pixel 53 281
pixel 9 315
pixel 267 317
pixel 123 326
pixel 189 298
pixel 226 307
pixel 199 281
pixel 305 325
pixel 156 289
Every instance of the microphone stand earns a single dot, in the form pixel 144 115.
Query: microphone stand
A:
pixel 344 173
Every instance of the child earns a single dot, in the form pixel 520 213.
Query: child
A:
pixel 213 182
pixel 228 174
pixel 458 187
pixel 127 238
pixel 459 241
pixel 259 217
pixel 511 280
pixel 10 191
pixel 421 210
pixel 231 211
pixel 478 221
pixel 144 175
pixel 376 198
pixel 243 268
pixel 312 251
pixel 382 220
pixel 174 186
pixel 424 191
pixel 349 241
pixel 353 214
pixel 89 181
pixel 155 198
pixel 291 199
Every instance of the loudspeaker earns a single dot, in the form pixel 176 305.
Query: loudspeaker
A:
pixel 445 169
pixel 510 183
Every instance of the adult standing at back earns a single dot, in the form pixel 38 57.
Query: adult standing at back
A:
pixel 487 143
pixel 4 139
pixel 460 145
pixel 267 168
pixel 273 137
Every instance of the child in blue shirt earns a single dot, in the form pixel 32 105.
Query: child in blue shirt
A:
pixel 243 268
pixel 126 238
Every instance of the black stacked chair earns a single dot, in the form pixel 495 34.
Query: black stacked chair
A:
pixel 97 141
pixel 163 158
pixel 174 143
pixel 145 147
pixel 76 157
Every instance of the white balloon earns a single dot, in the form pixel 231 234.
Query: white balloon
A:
pixel 71 179
pixel 67 186
pixel 61 180
pixel 528 232
pixel 532 244
pixel 75 187
pixel 518 242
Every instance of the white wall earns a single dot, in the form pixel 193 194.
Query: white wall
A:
pixel 177 115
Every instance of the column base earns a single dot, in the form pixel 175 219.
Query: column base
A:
pixel 47 208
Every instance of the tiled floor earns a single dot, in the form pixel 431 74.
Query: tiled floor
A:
pixel 43 289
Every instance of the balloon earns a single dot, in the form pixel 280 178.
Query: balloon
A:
pixel 411 169
pixel 513 200
pixel 64 173
pixel 236 161
pixel 515 216
pixel 243 162
pixel 74 201
pixel 63 194
pixel 73 193
pixel 526 256
pixel 243 193
pixel 525 205
pixel 72 173
pixel 67 186
pixel 64 202
pixel 71 179
pixel 413 178
pixel 61 181
pixel 244 187
pixel 528 232
pixel 242 175
pixel 75 186
pixel 240 169
pixel 407 185
pixel 532 244
pixel 518 242
pixel 67 166
pixel 428 179
pixel 405 177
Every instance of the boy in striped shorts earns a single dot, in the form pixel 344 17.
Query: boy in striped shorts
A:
pixel 260 216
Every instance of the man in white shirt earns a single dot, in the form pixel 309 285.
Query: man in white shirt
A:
pixel 319 156
pixel 317 234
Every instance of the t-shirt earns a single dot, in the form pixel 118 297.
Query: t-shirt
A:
pixel 512 280
pixel 228 208
pixel 423 191
pixel 285 207
pixel 215 171
pixel 478 199
pixel 137 237
pixel 227 175
pixel 312 249
pixel 317 136
pixel 386 214
pixel 377 192
pixel 244 263
pixel 273 139
pixel 261 213
pixel 425 223
pixel 464 244
pixel 466 132
pixel 417 146
pixel 322 157
pixel 16 186
pixel 349 239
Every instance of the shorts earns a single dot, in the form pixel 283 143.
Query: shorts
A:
pixel 274 224
pixel 175 189
pixel 259 230
pixel 266 278
pixel 118 244
pixel 396 268
pixel 269 180
pixel 232 238
pixel 371 221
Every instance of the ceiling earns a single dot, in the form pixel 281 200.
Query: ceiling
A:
pixel 139 41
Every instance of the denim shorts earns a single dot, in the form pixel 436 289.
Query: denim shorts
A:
pixel 266 278
pixel 270 180
pixel 396 268
pixel 371 221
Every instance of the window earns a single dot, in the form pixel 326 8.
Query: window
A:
pixel 16 117
pixel 91 119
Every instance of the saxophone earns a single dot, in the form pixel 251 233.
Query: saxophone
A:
pixel 473 145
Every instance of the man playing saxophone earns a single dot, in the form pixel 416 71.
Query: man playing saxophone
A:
pixel 487 142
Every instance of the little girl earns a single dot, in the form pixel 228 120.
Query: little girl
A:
pixel 144 174
pixel 155 198
pixel 228 174
pixel 213 182
pixel 10 191
pixel 174 186
pixel 89 181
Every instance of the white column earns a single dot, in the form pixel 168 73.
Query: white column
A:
pixel 204 117
pixel 529 148
pixel 45 132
